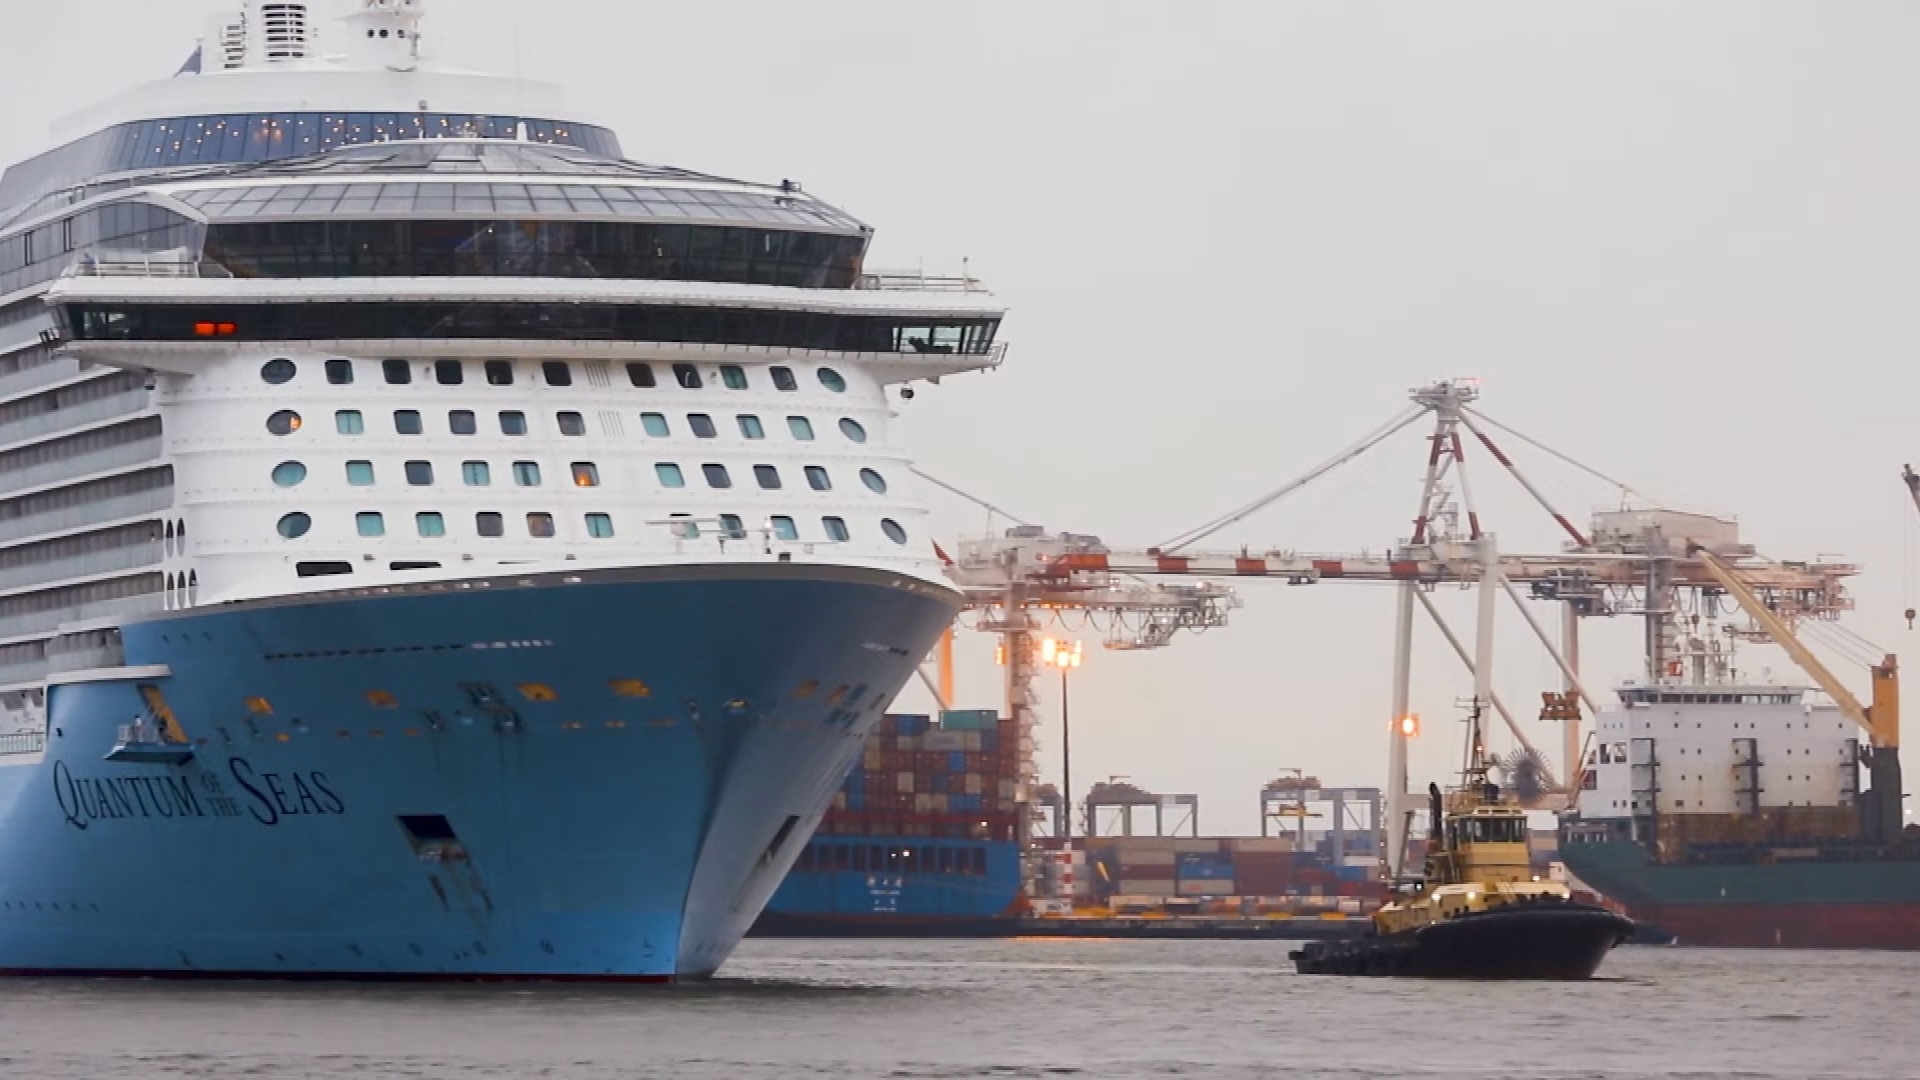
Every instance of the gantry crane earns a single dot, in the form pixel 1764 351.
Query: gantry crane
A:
pixel 1638 561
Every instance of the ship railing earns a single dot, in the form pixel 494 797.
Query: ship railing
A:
pixel 159 266
pixel 918 281
pixel 23 742
pixel 702 534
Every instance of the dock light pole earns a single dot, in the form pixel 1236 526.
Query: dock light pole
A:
pixel 1066 657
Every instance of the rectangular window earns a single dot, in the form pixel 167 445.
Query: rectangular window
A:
pixel 370 523
pixel 571 423
pixel 499 373
pixel 526 473
pixel 461 422
pixel 540 525
pixel 732 527
pixel 733 377
pixel 750 427
pixel 340 372
pixel 702 425
pixel 767 477
pixel 360 473
pixel 407 421
pixel 513 422
pixel 783 527
pixel 449 372
pixel 836 529
pixel 419 473
pixel 716 476
pixel 655 424
pixel 801 427
pixel 488 523
pixel 586 474
pixel 557 373
pixel 599 526
pixel 641 375
pixel 817 478
pixel 669 474
pixel 783 378
pixel 686 530
pixel 687 376
pixel 348 422
pixel 397 372
pixel 430 523
pixel 475 473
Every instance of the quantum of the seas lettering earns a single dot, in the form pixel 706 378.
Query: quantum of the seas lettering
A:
pixel 284 795
pixel 266 797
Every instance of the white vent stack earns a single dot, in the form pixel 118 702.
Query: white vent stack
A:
pixel 225 45
pixel 386 32
pixel 285 32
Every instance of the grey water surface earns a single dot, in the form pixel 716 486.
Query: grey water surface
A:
pixel 1026 1008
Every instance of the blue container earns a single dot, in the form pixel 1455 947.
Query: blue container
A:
pixel 956 761
pixel 911 724
pixel 1351 873
pixel 856 801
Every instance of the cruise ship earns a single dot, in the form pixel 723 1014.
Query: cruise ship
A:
pixel 433 545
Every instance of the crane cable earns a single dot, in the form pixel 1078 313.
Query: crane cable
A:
pixel 1625 488
pixel 1378 435
pixel 944 486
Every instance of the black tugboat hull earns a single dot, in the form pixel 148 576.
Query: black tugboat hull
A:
pixel 1563 941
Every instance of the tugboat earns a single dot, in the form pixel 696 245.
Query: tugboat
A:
pixel 1478 912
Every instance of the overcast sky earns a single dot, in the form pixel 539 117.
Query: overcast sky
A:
pixel 1676 241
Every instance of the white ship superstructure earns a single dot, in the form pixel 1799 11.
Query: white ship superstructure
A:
pixel 385 458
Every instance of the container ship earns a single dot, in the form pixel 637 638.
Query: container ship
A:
pixel 923 838
pixel 433 545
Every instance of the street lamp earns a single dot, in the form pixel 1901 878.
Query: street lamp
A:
pixel 1066 657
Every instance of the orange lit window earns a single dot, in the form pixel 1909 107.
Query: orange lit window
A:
pixel 631 688
pixel 259 706
pixel 534 691
pixel 380 699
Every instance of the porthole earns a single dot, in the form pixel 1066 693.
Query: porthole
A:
pixel 295 525
pixel 893 530
pixel 278 370
pixel 852 430
pixel 284 422
pixel 874 481
pixel 831 379
pixel 285 474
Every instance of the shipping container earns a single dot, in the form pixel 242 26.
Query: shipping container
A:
pixel 1197 845
pixel 1144 886
pixel 1205 888
pixel 1131 856
pixel 969 719
pixel 1262 844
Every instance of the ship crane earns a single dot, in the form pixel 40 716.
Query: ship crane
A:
pixel 1882 817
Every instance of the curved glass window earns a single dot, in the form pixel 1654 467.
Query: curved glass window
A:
pixel 669 474
pixel 349 422
pixel 499 372
pixel 732 527
pixel 540 525
pixel 702 425
pixel 295 525
pixel 750 427
pixel 832 380
pixel 407 422
pixel 397 372
pixel 783 527
pixel 474 247
pixel 641 375
pixel 687 375
pixel 783 379
pixel 893 530
pixel 817 478
pixel 360 473
pixel 340 372
pixel 461 422
pixel 874 481
pixel 655 424
pixel 733 377
pixel 475 473
pixel 852 430
pixel 489 523
pixel 430 523
pixel 278 370
pixel 284 422
pixel 836 529
pixel 557 373
pixel 526 473
pixel 449 372
pixel 767 476
pixel 716 476
pixel 289 474
pixel 327 321
pixel 586 474
pixel 513 422
pixel 240 137
pixel 800 427
pixel 419 473
pixel 571 423
pixel 599 526
pixel 370 523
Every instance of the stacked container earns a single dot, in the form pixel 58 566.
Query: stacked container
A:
pixel 953 779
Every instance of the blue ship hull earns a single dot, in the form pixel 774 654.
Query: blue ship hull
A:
pixel 980 896
pixel 597 774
